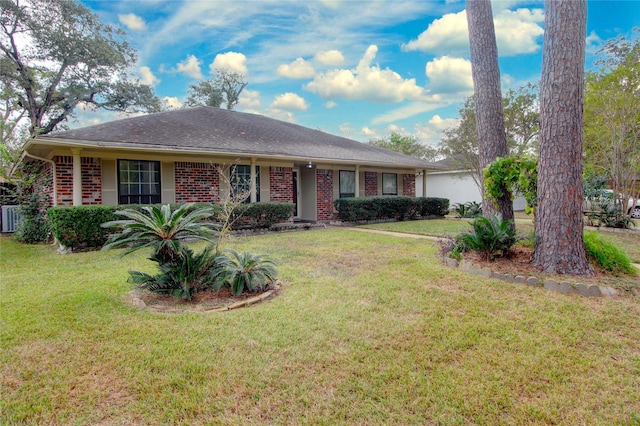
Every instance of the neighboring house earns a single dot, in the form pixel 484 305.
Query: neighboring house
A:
pixel 456 185
pixel 175 157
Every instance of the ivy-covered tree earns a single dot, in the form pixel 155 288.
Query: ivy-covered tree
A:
pixel 57 55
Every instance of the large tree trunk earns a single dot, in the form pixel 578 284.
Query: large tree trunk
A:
pixel 559 222
pixel 492 139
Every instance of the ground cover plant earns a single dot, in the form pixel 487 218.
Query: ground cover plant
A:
pixel 367 329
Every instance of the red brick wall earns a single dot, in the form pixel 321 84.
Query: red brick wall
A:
pixel 324 187
pixel 91 180
pixel 281 184
pixel 91 171
pixel 409 185
pixel 370 184
pixel 197 182
pixel 64 180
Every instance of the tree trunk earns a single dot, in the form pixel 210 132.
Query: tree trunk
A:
pixel 559 245
pixel 492 139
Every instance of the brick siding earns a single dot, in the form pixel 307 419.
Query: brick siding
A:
pixel 370 184
pixel 197 182
pixel 409 185
pixel 324 205
pixel 91 172
pixel 281 184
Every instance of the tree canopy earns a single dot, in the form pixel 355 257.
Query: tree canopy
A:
pixel 56 56
pixel 406 144
pixel 612 117
pixel 224 88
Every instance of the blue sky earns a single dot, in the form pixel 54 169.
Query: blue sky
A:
pixel 359 69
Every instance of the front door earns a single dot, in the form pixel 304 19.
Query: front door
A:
pixel 296 194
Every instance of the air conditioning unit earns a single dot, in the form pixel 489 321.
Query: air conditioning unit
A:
pixel 10 218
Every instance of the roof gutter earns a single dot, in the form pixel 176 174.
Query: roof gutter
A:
pixel 53 168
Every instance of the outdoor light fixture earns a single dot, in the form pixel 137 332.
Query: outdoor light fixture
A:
pixel 309 165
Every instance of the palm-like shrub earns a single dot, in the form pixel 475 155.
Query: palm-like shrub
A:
pixel 490 236
pixel 185 276
pixel 252 272
pixel 161 229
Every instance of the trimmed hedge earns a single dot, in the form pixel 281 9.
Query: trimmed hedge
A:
pixel 80 226
pixel 398 208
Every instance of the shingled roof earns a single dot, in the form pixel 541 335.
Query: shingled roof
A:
pixel 218 131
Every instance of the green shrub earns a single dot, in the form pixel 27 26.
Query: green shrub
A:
pixel 252 272
pixel 182 277
pixel 467 210
pixel 607 256
pixel 263 214
pixel 80 226
pixel 399 208
pixel 161 229
pixel 490 236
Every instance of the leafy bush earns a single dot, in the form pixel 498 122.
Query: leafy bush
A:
pixel 399 208
pixel 264 214
pixel 490 236
pixel 33 226
pixel 252 272
pixel 516 175
pixel 161 229
pixel 467 210
pixel 607 256
pixel 80 226
pixel 182 277
pixel 450 247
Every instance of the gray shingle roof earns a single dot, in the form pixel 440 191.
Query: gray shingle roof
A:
pixel 214 130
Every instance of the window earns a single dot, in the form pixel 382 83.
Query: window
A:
pixel 347 184
pixel 241 182
pixel 389 184
pixel 138 182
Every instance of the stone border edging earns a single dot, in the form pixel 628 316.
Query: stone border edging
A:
pixel 563 286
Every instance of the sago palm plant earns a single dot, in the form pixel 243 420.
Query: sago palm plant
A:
pixel 490 236
pixel 185 276
pixel 252 272
pixel 161 229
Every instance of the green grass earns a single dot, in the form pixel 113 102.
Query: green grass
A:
pixel 368 329
pixel 628 242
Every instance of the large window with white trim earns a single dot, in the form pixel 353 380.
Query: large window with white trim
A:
pixel 347 183
pixel 389 184
pixel 138 182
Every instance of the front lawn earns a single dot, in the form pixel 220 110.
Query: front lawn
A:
pixel 368 329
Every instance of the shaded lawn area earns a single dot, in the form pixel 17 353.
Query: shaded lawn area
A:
pixel 368 329
pixel 629 242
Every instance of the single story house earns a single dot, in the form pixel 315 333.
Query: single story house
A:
pixel 175 156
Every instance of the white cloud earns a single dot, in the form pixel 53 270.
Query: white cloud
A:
pixel 190 67
pixel 406 111
pixel 232 61
pixel 347 130
pixel 290 101
pixel 147 76
pixel 280 114
pixel 133 22
pixel 330 104
pixel 431 131
pixel 449 75
pixel 249 99
pixel 517 32
pixel 366 131
pixel 594 42
pixel 446 34
pixel 296 69
pixel 172 102
pixel 330 57
pixel 366 82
